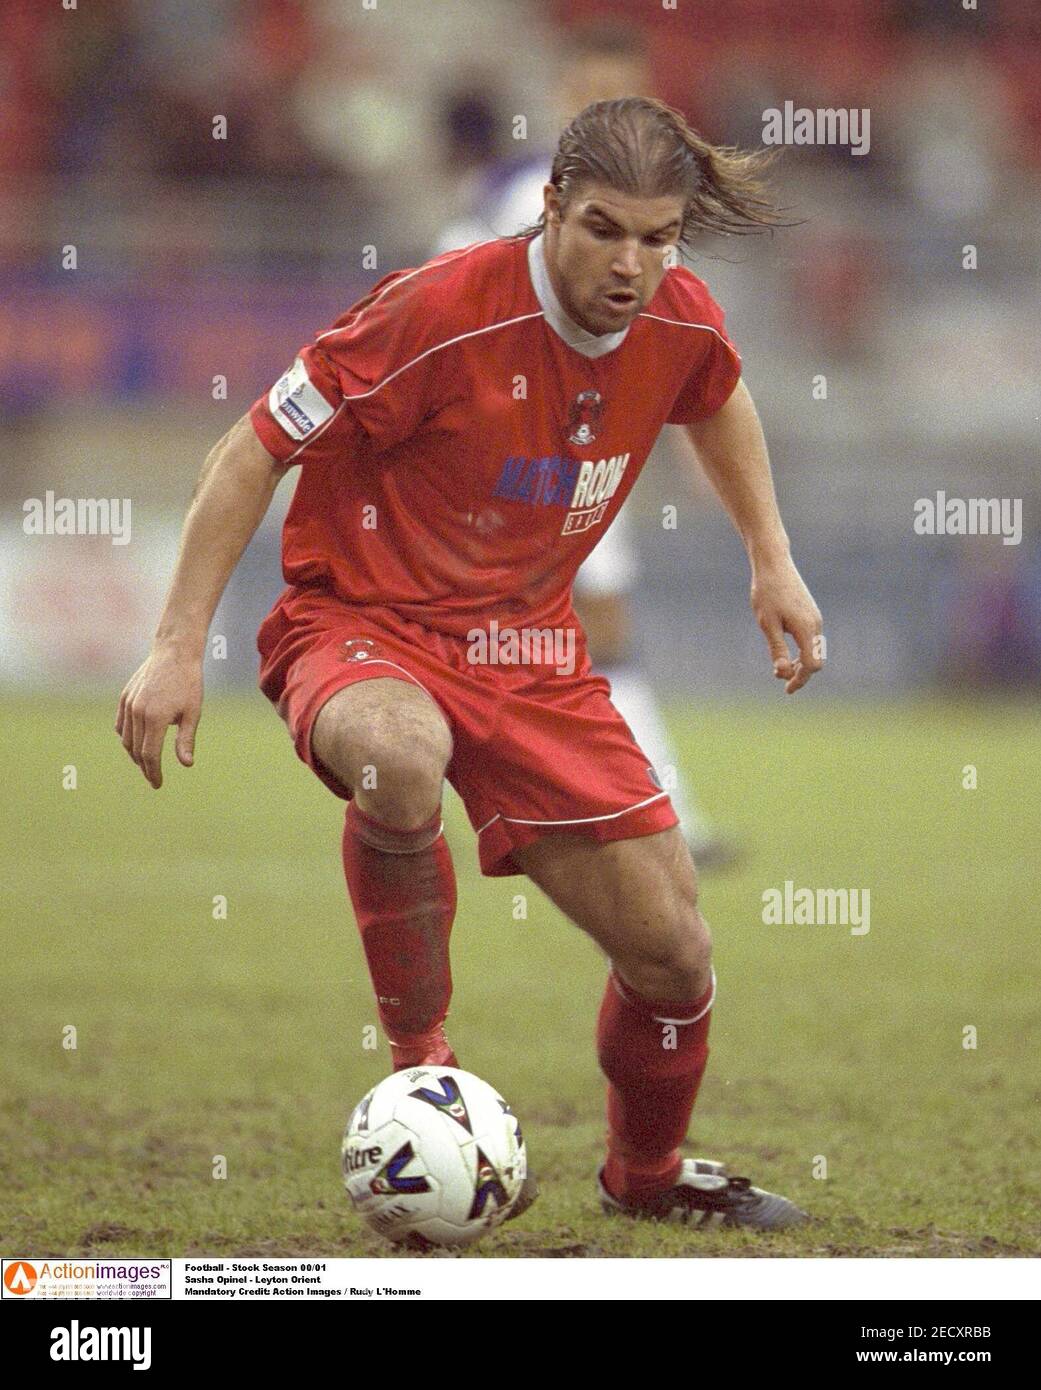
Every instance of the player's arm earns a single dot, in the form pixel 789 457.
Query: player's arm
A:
pixel 234 491
pixel 732 450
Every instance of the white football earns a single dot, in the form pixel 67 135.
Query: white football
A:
pixel 433 1155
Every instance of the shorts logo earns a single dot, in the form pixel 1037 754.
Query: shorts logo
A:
pixel 584 419
pixel 358 649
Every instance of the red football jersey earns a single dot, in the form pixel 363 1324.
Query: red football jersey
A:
pixel 464 445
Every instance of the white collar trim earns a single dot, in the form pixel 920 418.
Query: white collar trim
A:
pixel 588 344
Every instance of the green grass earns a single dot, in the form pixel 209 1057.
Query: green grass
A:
pixel 244 1037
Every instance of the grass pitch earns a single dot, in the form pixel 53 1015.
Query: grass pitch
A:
pixel 831 1053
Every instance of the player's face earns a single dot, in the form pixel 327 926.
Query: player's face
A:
pixel 605 253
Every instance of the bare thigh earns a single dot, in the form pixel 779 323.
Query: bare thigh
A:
pixel 388 743
pixel 637 899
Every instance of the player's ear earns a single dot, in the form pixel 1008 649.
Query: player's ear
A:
pixel 551 203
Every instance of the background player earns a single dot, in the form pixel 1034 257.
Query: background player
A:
pixel 601 61
pixel 415 522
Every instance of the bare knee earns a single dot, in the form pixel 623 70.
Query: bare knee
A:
pixel 677 965
pixel 674 959
pixel 402 788
pixel 389 747
pixel 638 899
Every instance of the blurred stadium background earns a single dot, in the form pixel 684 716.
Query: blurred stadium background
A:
pixel 350 129
pixel 199 259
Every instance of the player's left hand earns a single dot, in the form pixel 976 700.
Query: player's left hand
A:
pixel 782 604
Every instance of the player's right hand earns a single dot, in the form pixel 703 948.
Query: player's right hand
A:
pixel 166 689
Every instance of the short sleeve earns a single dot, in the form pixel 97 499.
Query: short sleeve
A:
pixel 715 373
pixel 303 418
pixel 367 383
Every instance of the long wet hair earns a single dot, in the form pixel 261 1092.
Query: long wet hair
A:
pixel 640 146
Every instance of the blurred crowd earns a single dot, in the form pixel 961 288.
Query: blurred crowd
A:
pixel 339 116
pixel 226 169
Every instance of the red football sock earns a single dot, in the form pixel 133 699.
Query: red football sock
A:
pixel 653 1072
pixel 402 886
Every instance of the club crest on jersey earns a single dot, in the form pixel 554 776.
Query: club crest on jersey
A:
pixel 584 420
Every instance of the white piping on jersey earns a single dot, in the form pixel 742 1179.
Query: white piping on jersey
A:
pixel 588 344
pixel 383 661
pixel 474 333
pixel 683 323
pixel 400 281
pixel 320 430
pixel 581 820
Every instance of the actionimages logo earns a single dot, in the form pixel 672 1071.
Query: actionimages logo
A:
pixel 19 1278
pixel 32 1277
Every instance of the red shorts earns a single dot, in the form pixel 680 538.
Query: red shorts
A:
pixel 535 752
